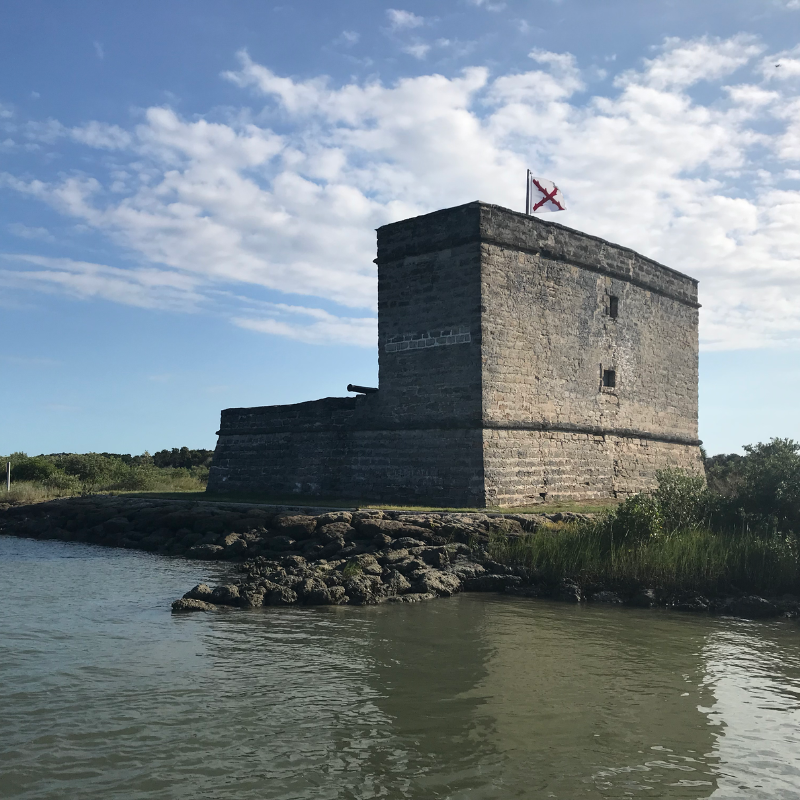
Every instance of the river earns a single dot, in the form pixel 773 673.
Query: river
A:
pixel 106 694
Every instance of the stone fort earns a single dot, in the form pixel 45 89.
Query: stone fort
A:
pixel 520 361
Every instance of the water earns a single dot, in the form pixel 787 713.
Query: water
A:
pixel 106 695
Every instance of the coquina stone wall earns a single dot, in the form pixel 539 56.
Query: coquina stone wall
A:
pixel 494 334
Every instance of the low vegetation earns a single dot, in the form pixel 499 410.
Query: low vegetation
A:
pixel 738 530
pixel 44 477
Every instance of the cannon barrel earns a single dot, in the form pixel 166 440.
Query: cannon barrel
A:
pixel 361 389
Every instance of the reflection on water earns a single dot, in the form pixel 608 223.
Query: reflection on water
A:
pixel 106 695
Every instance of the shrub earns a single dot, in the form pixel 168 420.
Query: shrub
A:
pixel 682 499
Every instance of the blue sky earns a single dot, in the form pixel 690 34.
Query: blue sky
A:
pixel 189 190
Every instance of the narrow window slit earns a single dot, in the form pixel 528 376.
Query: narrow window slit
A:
pixel 609 378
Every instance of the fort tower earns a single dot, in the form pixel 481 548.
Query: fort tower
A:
pixel 519 360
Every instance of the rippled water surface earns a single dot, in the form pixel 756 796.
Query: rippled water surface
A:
pixel 104 694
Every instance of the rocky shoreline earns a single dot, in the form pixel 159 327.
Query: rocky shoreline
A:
pixel 312 556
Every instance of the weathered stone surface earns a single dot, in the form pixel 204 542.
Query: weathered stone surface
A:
pixel 412 597
pixel 336 530
pixel 200 592
pixel 190 604
pixel 440 583
pixel 294 526
pixel 395 582
pixel 205 552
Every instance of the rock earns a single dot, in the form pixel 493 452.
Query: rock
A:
pixel 392 556
pixel 315 593
pixel 281 543
pixel 334 516
pixel 282 596
pixel 368 564
pixel 567 591
pixel 251 596
pixel 496 568
pixel 688 602
pixel 752 607
pixel 313 551
pixel 237 549
pixel 294 562
pixel 646 598
pixel 205 552
pixel 295 526
pixel 606 597
pixel 336 530
pixel 364 589
pixel 395 582
pixel 436 556
pixel 332 548
pixel 414 597
pixel 440 583
pixel 406 542
pixel 492 583
pixel 200 592
pixel 190 604
pixel 391 528
pixel 226 595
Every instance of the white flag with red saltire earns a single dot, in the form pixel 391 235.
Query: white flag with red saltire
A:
pixel 543 196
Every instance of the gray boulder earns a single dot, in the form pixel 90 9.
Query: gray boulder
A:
pixel 752 607
pixel 395 582
pixel 567 591
pixel 295 526
pixel 186 604
pixel 281 596
pixel 441 583
pixel 205 552
pixel 200 592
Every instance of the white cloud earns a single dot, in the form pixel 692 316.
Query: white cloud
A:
pixel 403 20
pixel 98 49
pixel 142 287
pixel 97 134
pixel 418 50
pixel 6 112
pixel 314 326
pixel 698 185
pixel 27 232
pixel 348 38
pixel 488 5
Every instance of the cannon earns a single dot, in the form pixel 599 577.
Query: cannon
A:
pixel 361 389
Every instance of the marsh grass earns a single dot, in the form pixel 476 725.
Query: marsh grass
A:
pixel 691 559
pixel 161 481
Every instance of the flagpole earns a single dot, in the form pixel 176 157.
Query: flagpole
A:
pixel 528 193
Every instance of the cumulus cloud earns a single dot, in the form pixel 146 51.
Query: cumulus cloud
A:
pixel 403 20
pixel 703 185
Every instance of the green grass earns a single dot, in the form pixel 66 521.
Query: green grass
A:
pixel 693 559
pixel 173 483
